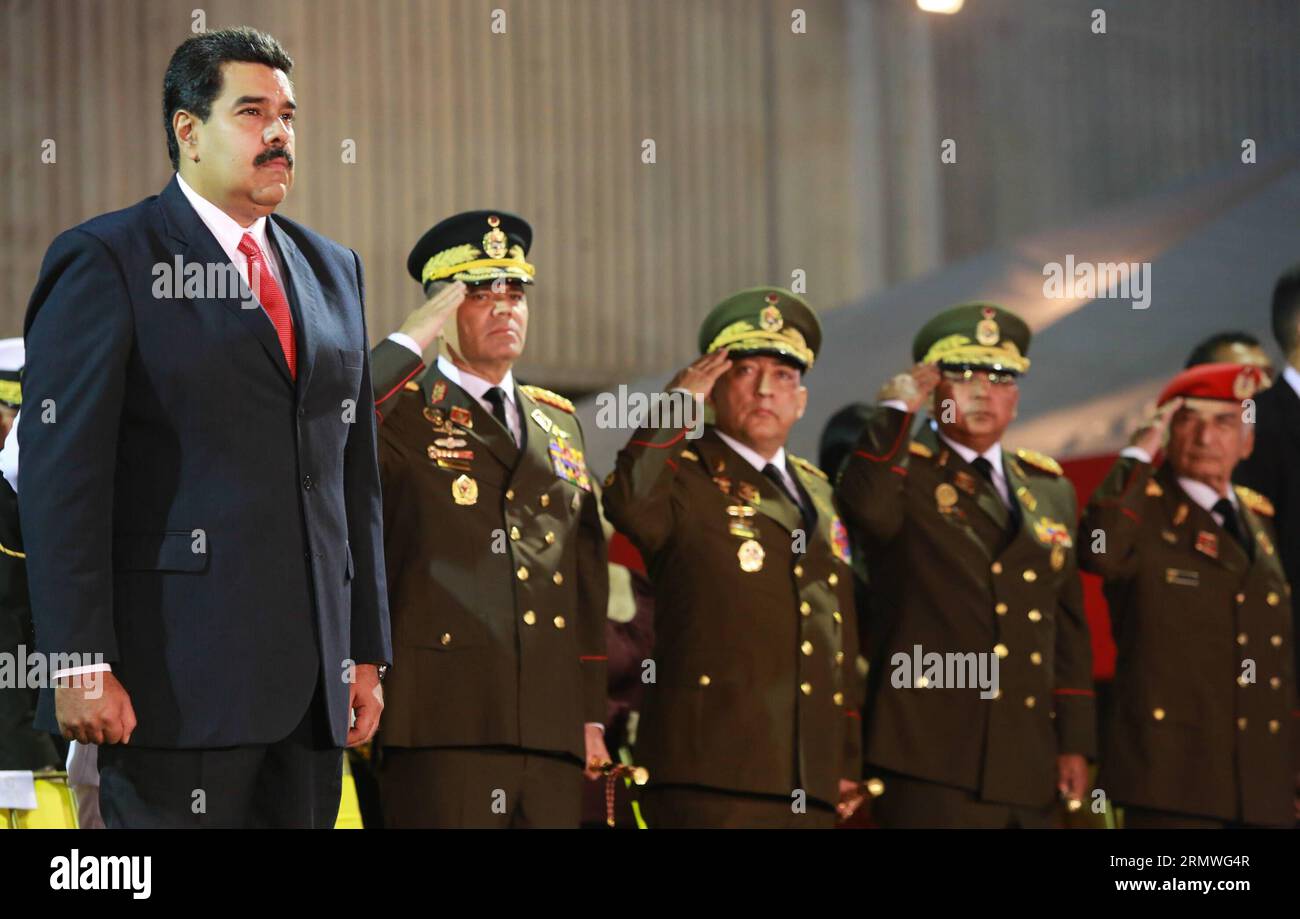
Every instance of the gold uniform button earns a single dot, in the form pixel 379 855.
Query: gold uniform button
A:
pixel 704 679
pixel 514 532
pixel 1241 723
pixel 833 579
pixel 1158 714
pixel 806 688
pixel 798 571
pixel 522 573
pixel 996 567
pixel 1274 726
pixel 530 617
pixel 1030 701
pixel 1035 616
pixel 557 578
pixel 922 682
pixel 1242 681
pixel 550 538
pixel 1274 683
pixel 1000 609
pixel 510 494
pixel 1030 575
pixel 445 639
pixel 1000 650
pixel 839 657
pixel 838 699
pixel 997 694
pixel 806 648
pixel 1242 638
pixel 837 617
pixel 559 622
pixel 1273 599
pixel 1241 598
pixel 875 787
pixel 1276 641
pixel 544 500
pixel 1035 658
pixel 805 608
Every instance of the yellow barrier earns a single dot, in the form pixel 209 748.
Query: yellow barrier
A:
pixel 56 806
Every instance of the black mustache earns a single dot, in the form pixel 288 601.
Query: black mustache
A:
pixel 275 152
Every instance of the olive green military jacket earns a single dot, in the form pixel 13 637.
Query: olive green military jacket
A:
pixel 496 567
pixel 1204 695
pixel 948 576
pixel 755 686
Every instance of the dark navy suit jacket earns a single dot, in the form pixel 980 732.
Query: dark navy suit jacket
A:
pixel 206 523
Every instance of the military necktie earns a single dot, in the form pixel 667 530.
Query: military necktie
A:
pixel 985 468
pixel 497 396
pixel 778 480
pixel 1223 507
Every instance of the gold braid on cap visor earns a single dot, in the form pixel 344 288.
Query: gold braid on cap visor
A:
pixel 11 391
pixel 742 336
pixel 958 349
pixel 465 264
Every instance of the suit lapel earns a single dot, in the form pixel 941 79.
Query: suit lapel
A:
pixel 304 297
pixel 748 481
pixel 201 248
pixel 483 426
pixel 1206 537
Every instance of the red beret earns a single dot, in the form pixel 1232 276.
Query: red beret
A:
pixel 1228 382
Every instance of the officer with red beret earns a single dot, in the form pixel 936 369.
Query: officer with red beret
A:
pixel 1202 731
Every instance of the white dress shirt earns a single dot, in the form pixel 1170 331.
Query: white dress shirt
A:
pixel 474 385
pixel 1202 494
pixel 1292 376
pixel 9 456
pixel 755 459
pixel 229 233
pixel 994 455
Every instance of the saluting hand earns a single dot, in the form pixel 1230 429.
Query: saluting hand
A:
pixel 94 708
pixel 912 388
pixel 425 323
pixel 1150 436
pixel 698 378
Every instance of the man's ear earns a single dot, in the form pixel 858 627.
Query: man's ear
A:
pixel 803 401
pixel 1248 442
pixel 186 128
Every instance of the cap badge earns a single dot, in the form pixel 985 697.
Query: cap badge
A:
pixel 1245 385
pixel 770 318
pixel 495 242
pixel 987 332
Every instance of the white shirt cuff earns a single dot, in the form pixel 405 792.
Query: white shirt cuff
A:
pixel 84 668
pixel 894 403
pixel 407 342
pixel 1136 453
pixel 595 724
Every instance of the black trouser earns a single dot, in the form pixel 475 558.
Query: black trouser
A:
pixel 480 787
pixel 912 803
pixel 684 807
pixel 294 782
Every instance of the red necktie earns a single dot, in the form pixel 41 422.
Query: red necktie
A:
pixel 269 294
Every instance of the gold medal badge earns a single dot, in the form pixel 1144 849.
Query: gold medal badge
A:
pixel 738 525
pixel 945 496
pixel 751 556
pixel 1058 557
pixel 439 392
pixel 461 416
pixel 748 493
pixel 1264 542
pixel 464 491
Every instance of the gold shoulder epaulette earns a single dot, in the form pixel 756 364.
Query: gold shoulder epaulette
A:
pixel 1255 501
pixel 413 386
pixel 1041 461
pixel 808 467
pixel 919 449
pixel 550 398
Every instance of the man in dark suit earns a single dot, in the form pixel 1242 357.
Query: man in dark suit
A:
pixel 979 708
pixel 198 487
pixel 1273 469
pixel 1202 733
pixel 496 558
pixel 750 716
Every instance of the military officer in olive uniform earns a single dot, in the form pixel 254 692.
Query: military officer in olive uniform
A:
pixel 980 701
pixel 750 716
pixel 21 745
pixel 497 564
pixel 1203 728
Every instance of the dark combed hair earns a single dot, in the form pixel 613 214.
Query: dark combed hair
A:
pixel 193 78
pixel 1204 352
pixel 1286 310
